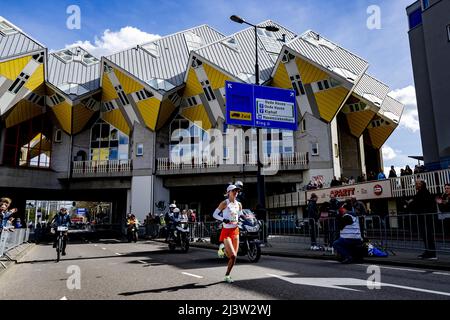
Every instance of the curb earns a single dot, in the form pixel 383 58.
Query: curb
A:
pixel 13 257
pixel 317 257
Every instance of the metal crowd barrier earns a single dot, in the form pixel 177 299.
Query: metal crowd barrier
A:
pixel 10 240
pixel 409 232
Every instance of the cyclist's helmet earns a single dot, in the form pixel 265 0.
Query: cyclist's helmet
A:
pixel 239 185
pixel 172 206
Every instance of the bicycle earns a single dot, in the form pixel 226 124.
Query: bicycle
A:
pixel 59 241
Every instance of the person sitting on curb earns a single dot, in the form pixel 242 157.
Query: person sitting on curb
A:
pixel 350 239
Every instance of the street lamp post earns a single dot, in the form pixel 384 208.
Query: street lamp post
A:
pixel 260 178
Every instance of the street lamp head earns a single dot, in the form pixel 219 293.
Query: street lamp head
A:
pixel 272 28
pixel 237 19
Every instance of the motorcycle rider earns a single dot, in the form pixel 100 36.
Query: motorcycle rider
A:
pixel 62 219
pixel 172 218
pixel 132 221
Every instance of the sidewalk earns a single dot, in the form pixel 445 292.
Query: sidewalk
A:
pixel 404 258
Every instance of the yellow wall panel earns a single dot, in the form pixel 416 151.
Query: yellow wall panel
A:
pixel 149 110
pixel 36 79
pixel 198 114
pixel 108 91
pixel 116 119
pixel 379 135
pixel 308 72
pixel 129 85
pixel 12 69
pixel 165 111
pixel 81 116
pixel 359 121
pixel 63 113
pixel 23 111
pixel 281 78
pixel 329 102
pixel 193 86
pixel 216 78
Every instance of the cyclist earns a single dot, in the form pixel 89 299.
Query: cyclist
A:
pixel 62 219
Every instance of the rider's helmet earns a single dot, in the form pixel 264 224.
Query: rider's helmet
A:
pixel 132 216
pixel 172 206
pixel 63 210
pixel 239 185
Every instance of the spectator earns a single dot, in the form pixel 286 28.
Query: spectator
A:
pixel 408 171
pixel 334 182
pixel 313 215
pixel 6 215
pixel 392 173
pixel 358 207
pixel 350 235
pixel 444 200
pixel 381 176
pixel 424 205
pixel 416 169
pixel 351 180
pixel 402 173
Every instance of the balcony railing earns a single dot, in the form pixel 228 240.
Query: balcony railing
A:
pixel 282 161
pixel 400 187
pixel 101 167
pixel 405 186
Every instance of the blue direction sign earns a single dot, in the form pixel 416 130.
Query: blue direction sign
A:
pixel 258 106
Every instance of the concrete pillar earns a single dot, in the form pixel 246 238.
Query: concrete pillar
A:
pixel 392 208
pixel 335 148
pixel 362 155
pixel 141 196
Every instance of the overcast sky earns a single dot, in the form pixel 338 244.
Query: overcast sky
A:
pixel 112 25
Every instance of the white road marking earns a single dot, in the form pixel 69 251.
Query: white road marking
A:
pixel 192 275
pixel 442 273
pixel 63 298
pixel 143 262
pixel 103 248
pixel 119 254
pixel 336 283
pixel 394 268
pixel 95 245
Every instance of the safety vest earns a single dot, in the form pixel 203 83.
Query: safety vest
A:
pixel 352 231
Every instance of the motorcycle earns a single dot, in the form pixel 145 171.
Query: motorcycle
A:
pixel 250 233
pixel 132 233
pixel 179 237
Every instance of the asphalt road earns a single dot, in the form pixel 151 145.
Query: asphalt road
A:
pixel 148 271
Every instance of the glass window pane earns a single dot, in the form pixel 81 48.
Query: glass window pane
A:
pixel 113 154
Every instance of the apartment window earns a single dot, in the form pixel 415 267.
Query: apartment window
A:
pixel 208 91
pixel 56 99
pixel 325 84
pixel 303 125
pixel 36 99
pixel 39 57
pixel 18 84
pixel 91 103
pixel 425 4
pixel 123 97
pixel 89 60
pixel 415 18
pixel 319 84
pixel 193 41
pixel 58 136
pixel 226 154
pixel 297 84
pixel 107 68
pixel 143 94
pixel 192 101
pixel 152 48
pixel 315 149
pixel 108 143
pixel 196 63
pixel 6 29
pixel 336 150
pixel 65 56
pixel 29 144
pixel 109 106
pixel 139 150
pixel 448 32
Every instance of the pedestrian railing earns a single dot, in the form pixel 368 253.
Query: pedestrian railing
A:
pixel 12 239
pixel 409 232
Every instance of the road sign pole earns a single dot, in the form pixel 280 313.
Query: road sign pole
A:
pixel 260 181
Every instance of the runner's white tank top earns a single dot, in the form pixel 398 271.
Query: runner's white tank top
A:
pixel 231 213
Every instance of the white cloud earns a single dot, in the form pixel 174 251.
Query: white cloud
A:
pixel 389 153
pixel 410 118
pixel 114 41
